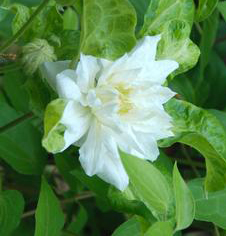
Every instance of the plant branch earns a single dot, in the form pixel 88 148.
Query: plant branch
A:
pixel 15 122
pixel 189 160
pixel 21 31
pixel 82 196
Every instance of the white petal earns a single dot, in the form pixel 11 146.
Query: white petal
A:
pixel 113 172
pixel 158 125
pixel 148 145
pixel 145 51
pixel 77 120
pixel 99 155
pixel 110 68
pixel 153 95
pixel 142 145
pixel 49 70
pixel 158 71
pixel 66 86
pixel 91 151
pixel 86 72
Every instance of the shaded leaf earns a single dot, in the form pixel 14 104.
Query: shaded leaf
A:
pixel 20 145
pixel 94 183
pixel 13 82
pixel 222 8
pixel 205 9
pixel 11 209
pixel 49 217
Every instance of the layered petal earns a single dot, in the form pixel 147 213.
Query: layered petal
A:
pixel 86 72
pixel 158 71
pixel 49 71
pixel 145 51
pixel 139 144
pixel 76 119
pixel 66 85
pixel 99 155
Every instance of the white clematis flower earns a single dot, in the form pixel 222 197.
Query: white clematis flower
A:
pixel 114 105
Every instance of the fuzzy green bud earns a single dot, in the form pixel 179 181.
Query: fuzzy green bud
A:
pixel 35 53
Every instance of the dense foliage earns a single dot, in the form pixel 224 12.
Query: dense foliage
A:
pixel 184 191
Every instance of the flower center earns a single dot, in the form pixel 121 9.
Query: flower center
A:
pixel 125 104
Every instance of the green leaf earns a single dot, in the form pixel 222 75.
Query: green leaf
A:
pixel 185 205
pixel 70 19
pixel 222 8
pixel 160 12
pixel 69 48
pixel 176 45
pixel 210 27
pixel 49 217
pixel 210 207
pixel 130 227
pixel 108 28
pixel 39 98
pixel 29 3
pixel 53 139
pixel 94 183
pixel 80 220
pixel 13 83
pixel 205 9
pixel 11 209
pixel 149 185
pixel 161 228
pixel 201 130
pixel 21 17
pixel 221 116
pixel 126 202
pixel 20 145
pixel 214 77
pixel 141 8
pixel 65 164
pixel 3 13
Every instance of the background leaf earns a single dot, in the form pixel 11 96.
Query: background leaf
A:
pixel 11 209
pixel 209 206
pixel 222 8
pixel 49 216
pixel 20 145
pixel 205 8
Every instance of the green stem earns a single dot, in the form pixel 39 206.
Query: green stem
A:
pixel 16 122
pixel 190 161
pixel 198 27
pixel 217 233
pixel 21 31
pixel 75 59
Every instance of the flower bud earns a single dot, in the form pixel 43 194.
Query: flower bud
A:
pixel 35 53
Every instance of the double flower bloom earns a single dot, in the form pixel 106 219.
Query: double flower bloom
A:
pixel 112 106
